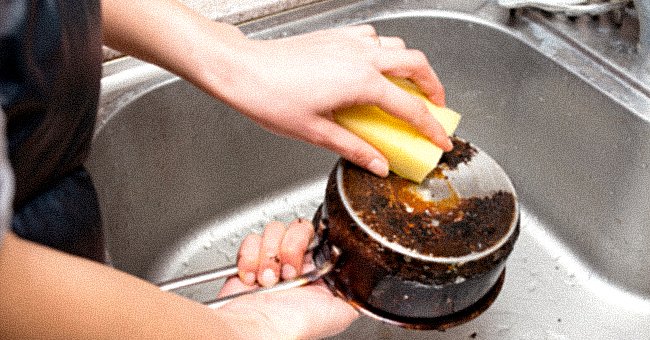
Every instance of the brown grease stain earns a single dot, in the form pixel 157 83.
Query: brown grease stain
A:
pixel 449 226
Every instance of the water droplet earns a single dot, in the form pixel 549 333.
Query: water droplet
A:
pixel 532 286
pixel 571 280
pixel 502 330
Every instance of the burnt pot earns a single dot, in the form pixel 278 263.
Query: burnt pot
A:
pixel 408 287
pixel 421 256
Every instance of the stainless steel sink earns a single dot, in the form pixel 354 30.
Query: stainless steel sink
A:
pixel 183 177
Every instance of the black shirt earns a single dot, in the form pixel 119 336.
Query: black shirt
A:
pixel 50 69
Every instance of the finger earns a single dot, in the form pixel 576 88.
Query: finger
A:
pixel 234 286
pixel 294 246
pixel 364 33
pixel 248 258
pixel 412 110
pixel 430 84
pixel 360 30
pixel 329 135
pixel 372 41
pixel 414 65
pixel 392 42
pixel 268 270
pixel 384 42
pixel 308 263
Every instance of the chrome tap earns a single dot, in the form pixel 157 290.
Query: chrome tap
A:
pixel 643 12
pixel 591 7
pixel 568 7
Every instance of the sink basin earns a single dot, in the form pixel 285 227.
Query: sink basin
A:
pixel 182 177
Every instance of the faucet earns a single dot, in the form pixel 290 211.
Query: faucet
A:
pixel 589 7
pixel 643 12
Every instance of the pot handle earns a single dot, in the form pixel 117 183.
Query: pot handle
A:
pixel 232 270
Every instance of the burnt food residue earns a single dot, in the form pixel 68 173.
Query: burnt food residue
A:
pixel 461 153
pixel 446 227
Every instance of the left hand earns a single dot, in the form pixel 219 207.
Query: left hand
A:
pixel 305 312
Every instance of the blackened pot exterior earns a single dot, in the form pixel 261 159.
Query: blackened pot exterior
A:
pixel 398 288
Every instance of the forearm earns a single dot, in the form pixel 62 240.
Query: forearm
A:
pixel 48 294
pixel 169 34
pixel 291 85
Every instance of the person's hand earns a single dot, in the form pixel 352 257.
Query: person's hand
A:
pixel 305 312
pixel 292 85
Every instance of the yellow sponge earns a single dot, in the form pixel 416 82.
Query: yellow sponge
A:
pixel 409 153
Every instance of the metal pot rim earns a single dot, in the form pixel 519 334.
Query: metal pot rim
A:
pixel 414 254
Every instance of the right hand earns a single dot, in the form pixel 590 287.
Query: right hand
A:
pixel 291 86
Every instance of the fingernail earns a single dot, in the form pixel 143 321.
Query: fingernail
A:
pixel 378 167
pixel 288 272
pixel 268 277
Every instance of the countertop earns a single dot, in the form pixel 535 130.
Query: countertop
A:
pixel 236 11
pixel 232 11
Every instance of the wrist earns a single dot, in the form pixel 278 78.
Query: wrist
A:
pixel 198 49
pixel 213 59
